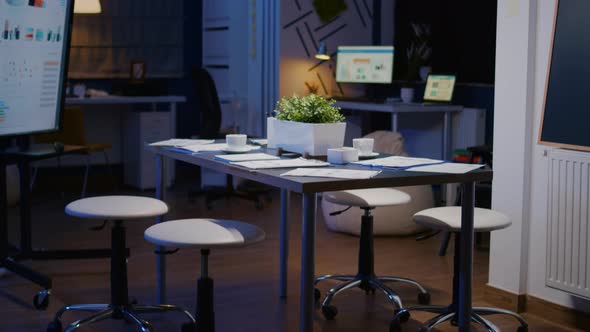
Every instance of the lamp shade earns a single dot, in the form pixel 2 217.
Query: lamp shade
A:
pixel 322 53
pixel 87 7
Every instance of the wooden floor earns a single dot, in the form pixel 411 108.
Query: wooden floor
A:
pixel 246 279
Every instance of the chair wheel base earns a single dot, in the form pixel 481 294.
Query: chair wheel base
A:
pixel 523 329
pixel 395 325
pixel 189 327
pixel 54 326
pixel 403 317
pixel 424 298
pixel 317 295
pixel 329 312
pixel 41 299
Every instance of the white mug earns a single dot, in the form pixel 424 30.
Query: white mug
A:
pixel 364 145
pixel 235 141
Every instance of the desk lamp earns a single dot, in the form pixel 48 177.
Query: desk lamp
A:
pixel 322 53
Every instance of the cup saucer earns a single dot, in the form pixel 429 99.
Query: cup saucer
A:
pixel 368 155
pixel 242 149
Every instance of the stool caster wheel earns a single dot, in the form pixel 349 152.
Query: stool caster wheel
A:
pixel 189 327
pixel 317 295
pixel 403 317
pixel 424 298
pixel 395 325
pixel 41 299
pixel 523 329
pixel 454 322
pixel 329 312
pixel 54 326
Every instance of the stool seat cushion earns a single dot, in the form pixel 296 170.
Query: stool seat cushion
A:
pixel 448 218
pixel 368 197
pixel 203 233
pixel 116 207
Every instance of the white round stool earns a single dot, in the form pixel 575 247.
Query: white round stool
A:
pixel 448 218
pixel 116 209
pixel 205 234
pixel 365 278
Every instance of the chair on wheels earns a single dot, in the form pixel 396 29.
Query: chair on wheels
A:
pixel 205 234
pixel 74 134
pixel 117 209
pixel 365 278
pixel 448 219
pixel 210 128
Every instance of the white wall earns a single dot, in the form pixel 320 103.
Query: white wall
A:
pixel 518 254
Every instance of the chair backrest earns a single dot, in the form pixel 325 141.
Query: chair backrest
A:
pixel 388 142
pixel 72 131
pixel 209 104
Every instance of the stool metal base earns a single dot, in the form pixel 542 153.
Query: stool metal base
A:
pixel 365 277
pixel 448 313
pixel 106 311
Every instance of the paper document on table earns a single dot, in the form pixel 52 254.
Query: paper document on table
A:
pixel 453 168
pixel 246 157
pixel 201 148
pixel 397 162
pixel 281 163
pixel 332 173
pixel 180 142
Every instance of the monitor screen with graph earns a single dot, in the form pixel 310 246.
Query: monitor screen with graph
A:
pixel 34 43
pixel 439 88
pixel 364 64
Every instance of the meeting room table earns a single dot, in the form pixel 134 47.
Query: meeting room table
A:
pixel 309 187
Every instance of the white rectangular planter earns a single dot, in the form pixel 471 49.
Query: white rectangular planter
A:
pixel 299 137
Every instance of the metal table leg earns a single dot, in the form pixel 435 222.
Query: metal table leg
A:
pixel 161 195
pixel 466 270
pixel 307 262
pixel 284 243
pixel 394 122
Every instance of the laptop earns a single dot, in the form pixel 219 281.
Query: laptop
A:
pixel 439 89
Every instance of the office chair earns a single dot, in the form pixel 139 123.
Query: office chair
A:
pixel 73 134
pixel 210 128
pixel 476 154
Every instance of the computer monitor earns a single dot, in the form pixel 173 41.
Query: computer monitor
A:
pixel 364 64
pixel 34 43
pixel 439 88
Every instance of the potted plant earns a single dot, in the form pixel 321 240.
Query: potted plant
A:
pixel 418 54
pixel 309 124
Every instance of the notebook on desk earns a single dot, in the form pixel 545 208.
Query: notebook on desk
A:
pixel 439 89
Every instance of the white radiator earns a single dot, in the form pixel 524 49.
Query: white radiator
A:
pixel 568 226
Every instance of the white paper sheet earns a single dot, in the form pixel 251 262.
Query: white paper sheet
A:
pixel 453 168
pixel 281 163
pixel 180 142
pixel 397 162
pixel 246 157
pixel 332 173
pixel 201 148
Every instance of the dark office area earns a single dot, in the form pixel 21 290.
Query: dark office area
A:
pixel 294 165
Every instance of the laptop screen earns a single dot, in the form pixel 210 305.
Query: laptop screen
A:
pixel 439 88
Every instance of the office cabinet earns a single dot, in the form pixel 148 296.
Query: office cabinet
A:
pixel 141 128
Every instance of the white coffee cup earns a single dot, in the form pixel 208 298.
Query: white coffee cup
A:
pixel 235 141
pixel 364 145
pixel 343 155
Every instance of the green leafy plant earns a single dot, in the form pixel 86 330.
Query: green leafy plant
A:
pixel 419 51
pixel 309 109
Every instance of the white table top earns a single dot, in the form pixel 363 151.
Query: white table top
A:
pixel 397 107
pixel 125 100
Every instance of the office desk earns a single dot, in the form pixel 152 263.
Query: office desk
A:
pixel 398 107
pixel 136 128
pixel 309 187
